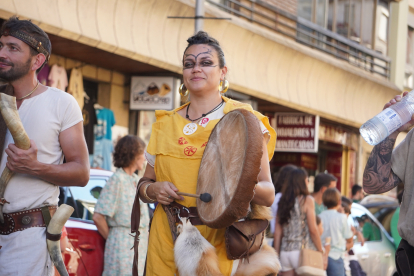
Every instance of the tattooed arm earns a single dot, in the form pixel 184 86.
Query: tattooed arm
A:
pixel 378 175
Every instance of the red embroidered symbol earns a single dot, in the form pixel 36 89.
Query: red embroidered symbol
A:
pixel 237 104
pixel 182 141
pixel 203 145
pixel 204 121
pixel 190 150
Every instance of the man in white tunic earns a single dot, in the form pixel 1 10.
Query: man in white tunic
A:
pixel 53 122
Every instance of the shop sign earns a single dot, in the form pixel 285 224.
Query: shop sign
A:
pixel 338 135
pixel 152 93
pixel 297 132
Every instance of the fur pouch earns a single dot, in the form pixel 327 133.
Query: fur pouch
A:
pixel 193 254
pixel 244 238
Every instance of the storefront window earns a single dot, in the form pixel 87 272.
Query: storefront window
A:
pixel 305 9
pixel 355 20
pixel 383 26
pixel 410 46
pixel 342 17
pixel 367 22
pixel 409 68
pixel 321 13
pixel 331 15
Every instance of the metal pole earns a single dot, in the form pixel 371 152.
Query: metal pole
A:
pixel 199 13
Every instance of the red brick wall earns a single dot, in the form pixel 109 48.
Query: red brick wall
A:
pixel 289 6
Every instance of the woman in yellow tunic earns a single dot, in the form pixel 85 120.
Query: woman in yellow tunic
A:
pixel 176 147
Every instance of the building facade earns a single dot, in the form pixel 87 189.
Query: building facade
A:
pixel 331 59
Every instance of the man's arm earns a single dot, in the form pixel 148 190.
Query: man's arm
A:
pixel 75 172
pixel 378 175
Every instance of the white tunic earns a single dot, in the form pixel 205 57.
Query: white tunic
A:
pixel 44 117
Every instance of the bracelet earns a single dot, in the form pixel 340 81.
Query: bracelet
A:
pixel 145 193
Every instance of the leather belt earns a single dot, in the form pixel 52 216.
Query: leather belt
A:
pixel 180 211
pixel 19 221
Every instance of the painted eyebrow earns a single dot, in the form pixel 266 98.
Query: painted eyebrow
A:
pixel 208 52
pixel 193 59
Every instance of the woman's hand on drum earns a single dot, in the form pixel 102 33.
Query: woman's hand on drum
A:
pixel 164 192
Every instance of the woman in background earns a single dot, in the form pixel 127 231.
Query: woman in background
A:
pixel 281 178
pixel 296 222
pixel 113 210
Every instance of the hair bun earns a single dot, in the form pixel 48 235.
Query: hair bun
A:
pixel 202 37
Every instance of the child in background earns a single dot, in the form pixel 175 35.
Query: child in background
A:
pixel 352 266
pixel 335 226
pixel 326 244
pixel 345 208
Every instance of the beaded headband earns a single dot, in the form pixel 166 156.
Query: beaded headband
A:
pixel 29 40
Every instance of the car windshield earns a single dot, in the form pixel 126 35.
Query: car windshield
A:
pixel 363 223
pixel 86 197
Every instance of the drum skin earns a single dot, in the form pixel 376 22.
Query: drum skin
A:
pixel 229 169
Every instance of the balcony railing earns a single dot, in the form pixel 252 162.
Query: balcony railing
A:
pixel 307 33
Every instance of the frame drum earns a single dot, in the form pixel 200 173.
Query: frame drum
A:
pixel 229 169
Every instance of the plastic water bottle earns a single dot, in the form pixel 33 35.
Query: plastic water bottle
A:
pixel 389 120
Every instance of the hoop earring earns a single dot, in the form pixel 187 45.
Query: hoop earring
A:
pixel 183 90
pixel 223 88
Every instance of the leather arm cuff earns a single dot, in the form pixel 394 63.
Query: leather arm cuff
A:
pixel 53 237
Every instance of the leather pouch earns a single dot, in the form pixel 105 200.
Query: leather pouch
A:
pixel 244 238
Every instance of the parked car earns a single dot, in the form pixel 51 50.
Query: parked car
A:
pixel 382 207
pixel 87 256
pixel 377 256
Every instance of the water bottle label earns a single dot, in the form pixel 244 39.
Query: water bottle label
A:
pixel 390 119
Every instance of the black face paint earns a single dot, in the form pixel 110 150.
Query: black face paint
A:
pixel 189 64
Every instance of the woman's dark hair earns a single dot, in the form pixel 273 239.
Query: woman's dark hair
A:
pixel 203 38
pixel 294 186
pixel 281 177
pixel 26 26
pixel 127 149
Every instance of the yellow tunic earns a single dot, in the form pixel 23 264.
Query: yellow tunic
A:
pixel 178 158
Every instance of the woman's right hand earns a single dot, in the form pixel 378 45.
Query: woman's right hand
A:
pixel 164 192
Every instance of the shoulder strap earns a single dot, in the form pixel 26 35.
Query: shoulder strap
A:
pixel 135 219
pixel 171 222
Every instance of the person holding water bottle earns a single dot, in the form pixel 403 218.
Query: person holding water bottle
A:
pixel 386 168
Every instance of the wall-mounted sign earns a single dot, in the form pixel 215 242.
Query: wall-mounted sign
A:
pixel 337 135
pixel 151 93
pixel 297 132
